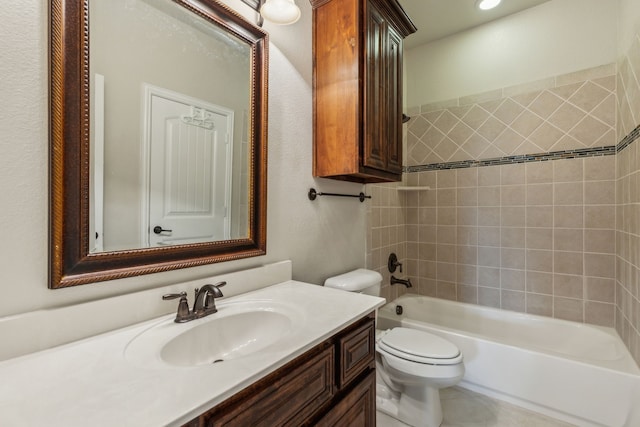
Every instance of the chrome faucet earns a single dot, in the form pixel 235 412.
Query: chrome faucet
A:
pixel 203 305
pixel 406 282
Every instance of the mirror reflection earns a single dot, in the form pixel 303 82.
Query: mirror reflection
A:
pixel 170 125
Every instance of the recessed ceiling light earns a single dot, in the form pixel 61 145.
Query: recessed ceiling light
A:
pixel 487 4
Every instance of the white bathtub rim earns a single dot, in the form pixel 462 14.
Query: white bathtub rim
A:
pixel 627 369
pixel 624 363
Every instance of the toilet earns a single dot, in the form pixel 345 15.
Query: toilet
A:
pixel 411 365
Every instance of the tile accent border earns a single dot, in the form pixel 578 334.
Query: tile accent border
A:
pixel 527 158
pixel 631 137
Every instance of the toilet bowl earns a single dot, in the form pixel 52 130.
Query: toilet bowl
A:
pixel 411 366
pixel 414 365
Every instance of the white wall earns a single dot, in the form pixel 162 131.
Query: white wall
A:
pixel 322 237
pixel 628 24
pixel 556 37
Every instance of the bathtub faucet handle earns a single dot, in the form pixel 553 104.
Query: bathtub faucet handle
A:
pixel 393 263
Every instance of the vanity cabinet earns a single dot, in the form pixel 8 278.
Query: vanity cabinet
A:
pixel 357 63
pixel 332 384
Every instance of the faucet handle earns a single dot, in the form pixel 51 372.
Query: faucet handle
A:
pixel 217 293
pixel 183 314
pixel 174 296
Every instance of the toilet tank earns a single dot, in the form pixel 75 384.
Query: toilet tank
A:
pixel 360 280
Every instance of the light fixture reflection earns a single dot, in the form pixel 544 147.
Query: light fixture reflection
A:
pixel 487 4
pixel 282 12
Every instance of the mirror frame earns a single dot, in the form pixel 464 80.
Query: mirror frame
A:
pixel 70 262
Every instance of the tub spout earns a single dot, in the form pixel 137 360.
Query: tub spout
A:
pixel 406 282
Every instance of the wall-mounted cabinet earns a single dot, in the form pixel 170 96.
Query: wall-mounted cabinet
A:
pixel 357 63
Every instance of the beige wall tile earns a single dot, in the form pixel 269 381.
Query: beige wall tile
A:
pixel 599 313
pixel 446 216
pixel 446 290
pixel 599 168
pixel 600 289
pixel 568 193
pixel 467 197
pixel 489 276
pixel 568 309
pixel 565 285
pixel 446 272
pixel 467 236
pixel 539 216
pixel 467 254
pixel 513 195
pixel 601 241
pixel 446 197
pixel 512 174
pixel 513 258
pixel 568 239
pixel 539 282
pixel 539 194
pixel 539 238
pixel 568 262
pixel 539 172
pixel 567 170
pixel 511 217
pixel 489 236
pixel 489 176
pixel 489 297
pixel 599 192
pixel 512 279
pixel 488 216
pixel 467 274
pixel 513 300
pixel 512 237
pixel 468 294
pixel 539 260
pixel 541 305
pixel 600 265
pixel 446 178
pixel 467 216
pixel 599 216
pixel 467 177
pixel 488 196
pixel 568 216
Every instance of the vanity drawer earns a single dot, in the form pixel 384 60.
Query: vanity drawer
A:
pixel 356 352
pixel 289 396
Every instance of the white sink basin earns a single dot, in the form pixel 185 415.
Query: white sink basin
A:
pixel 237 330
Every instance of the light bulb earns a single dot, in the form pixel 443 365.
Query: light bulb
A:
pixel 280 12
pixel 488 4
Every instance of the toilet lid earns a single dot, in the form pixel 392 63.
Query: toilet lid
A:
pixel 405 342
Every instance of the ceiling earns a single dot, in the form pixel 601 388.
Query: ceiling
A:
pixel 436 19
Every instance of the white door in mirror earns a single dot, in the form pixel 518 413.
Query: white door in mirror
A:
pixel 189 171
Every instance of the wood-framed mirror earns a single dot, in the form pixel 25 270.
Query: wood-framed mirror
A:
pixel 150 75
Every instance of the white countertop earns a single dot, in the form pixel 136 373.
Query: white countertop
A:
pixel 91 382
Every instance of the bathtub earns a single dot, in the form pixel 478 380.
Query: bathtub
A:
pixel 578 373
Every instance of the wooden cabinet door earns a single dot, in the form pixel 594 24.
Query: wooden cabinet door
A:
pixel 393 67
pixel 357 409
pixel 375 92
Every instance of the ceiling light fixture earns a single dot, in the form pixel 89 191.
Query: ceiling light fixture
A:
pixel 487 4
pixel 282 12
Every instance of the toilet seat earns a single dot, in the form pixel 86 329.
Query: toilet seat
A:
pixel 419 346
